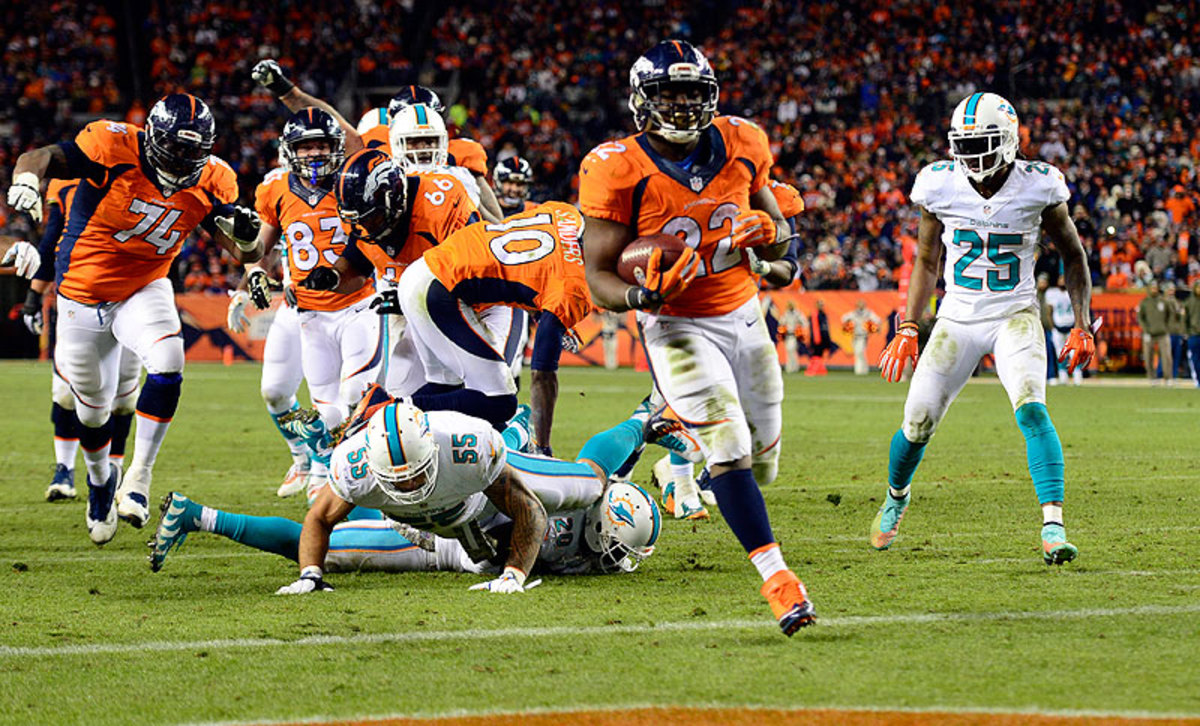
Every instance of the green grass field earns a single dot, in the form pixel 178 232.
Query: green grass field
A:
pixel 960 615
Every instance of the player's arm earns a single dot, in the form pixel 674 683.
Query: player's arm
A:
pixel 603 242
pixel 268 74
pixel 543 377
pixel 1058 226
pixel 489 206
pixel 513 498
pixel 256 283
pixel 326 511
pixel 765 201
pixel 236 228
pixel 52 161
pixel 348 274
pixel 925 266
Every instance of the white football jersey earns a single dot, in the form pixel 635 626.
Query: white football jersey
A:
pixel 563 550
pixel 1062 314
pixel 470 458
pixel 990 243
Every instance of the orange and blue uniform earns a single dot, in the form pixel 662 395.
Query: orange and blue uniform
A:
pixel 314 234
pixel 122 231
pixel 59 194
pixel 466 153
pixel 627 182
pixel 791 204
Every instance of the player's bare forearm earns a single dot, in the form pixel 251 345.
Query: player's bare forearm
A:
pixel 46 161
pixel 268 236
pixel 39 286
pixel 781 275
pixel 489 206
pixel 1057 223
pixel 512 497
pixel 925 267
pixel 543 394
pixel 297 99
pixel 603 242
pixel 327 511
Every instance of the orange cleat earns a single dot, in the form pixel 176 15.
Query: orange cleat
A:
pixel 789 601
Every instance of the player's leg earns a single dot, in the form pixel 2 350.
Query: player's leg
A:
pixel 1059 338
pixel 946 364
pixel 362 339
pixel 1020 360
pixel 405 374
pixel 688 359
pixel 280 381
pixel 87 358
pixel 125 404
pixel 149 324
pixel 322 365
pixel 1194 357
pixel 66 439
pixel 760 390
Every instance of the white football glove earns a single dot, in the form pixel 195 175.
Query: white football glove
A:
pixel 25 195
pixel 310 581
pixel 24 257
pixel 236 319
pixel 758 266
pixel 513 580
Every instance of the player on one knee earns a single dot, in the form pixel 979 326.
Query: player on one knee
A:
pixel 141 195
pixel 988 209
pixel 703 178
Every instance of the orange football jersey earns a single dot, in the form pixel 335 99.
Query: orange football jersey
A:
pixel 438 206
pixel 627 182
pixel 532 260
pixel 61 192
pixel 123 233
pixel 466 153
pixel 788 197
pixel 313 233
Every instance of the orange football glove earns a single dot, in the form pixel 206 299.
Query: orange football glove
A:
pixel 666 284
pixel 898 352
pixel 753 229
pixel 1082 344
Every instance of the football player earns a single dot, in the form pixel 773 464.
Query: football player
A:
pixel 418 142
pixel 704 179
pixel 142 193
pixel 59 194
pixel 988 209
pixel 342 339
pixel 373 129
pixel 513 178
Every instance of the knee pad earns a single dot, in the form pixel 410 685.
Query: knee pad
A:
pixel 277 399
pixel 920 428
pixel 126 402
pixel 61 393
pixel 765 466
pixel 91 416
pixel 165 356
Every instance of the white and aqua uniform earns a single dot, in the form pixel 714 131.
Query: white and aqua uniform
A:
pixel 991 302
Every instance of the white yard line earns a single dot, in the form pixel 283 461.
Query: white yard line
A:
pixel 577 631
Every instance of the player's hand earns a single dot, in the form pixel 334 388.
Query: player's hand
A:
pixel 259 285
pixel 310 581
pixel 662 285
pixel 571 342
pixel 321 278
pixel 758 266
pixel 269 75
pixel 1083 345
pixel 24 258
pixel 25 195
pixel 289 295
pixel 513 580
pixel 31 312
pixel 387 302
pixel 753 229
pixel 235 317
pixel 898 352
pixel 240 224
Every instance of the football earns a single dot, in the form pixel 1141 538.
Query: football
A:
pixel 632 264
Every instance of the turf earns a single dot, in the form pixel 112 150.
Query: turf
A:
pixel 1113 632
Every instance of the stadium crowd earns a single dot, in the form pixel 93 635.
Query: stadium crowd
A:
pixel 855 95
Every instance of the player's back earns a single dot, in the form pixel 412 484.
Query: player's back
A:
pixel 990 243
pixel 531 260
pixel 122 231
pixel 312 234
pixel 627 182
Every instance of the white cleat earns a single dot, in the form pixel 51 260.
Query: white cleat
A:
pixel 133 496
pixel 101 514
pixel 313 485
pixel 294 481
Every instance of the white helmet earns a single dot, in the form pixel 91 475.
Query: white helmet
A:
pixel 400 448
pixel 418 121
pixel 375 117
pixel 622 527
pixel 984 135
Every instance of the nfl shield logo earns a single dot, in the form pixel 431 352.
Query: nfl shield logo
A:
pixel 697 184
pixel 987 209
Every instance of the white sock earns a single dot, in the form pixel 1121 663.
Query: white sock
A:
pixel 768 560
pixel 681 471
pixel 98 467
pixel 1052 514
pixel 64 452
pixel 899 493
pixel 208 519
pixel 148 440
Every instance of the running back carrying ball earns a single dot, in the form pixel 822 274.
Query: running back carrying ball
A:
pixel 632 264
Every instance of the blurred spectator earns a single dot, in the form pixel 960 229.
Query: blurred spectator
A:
pixel 1154 316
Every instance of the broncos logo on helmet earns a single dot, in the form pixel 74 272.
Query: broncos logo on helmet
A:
pixel 372 194
pixel 180 132
pixel 674 92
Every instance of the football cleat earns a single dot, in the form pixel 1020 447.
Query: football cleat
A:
pixel 294 480
pixel 101 515
pixel 671 434
pixel 63 485
pixel 313 484
pixel 789 601
pixel 1056 550
pixel 681 506
pixel 704 484
pixel 887 522
pixel 520 425
pixel 133 496
pixel 177 516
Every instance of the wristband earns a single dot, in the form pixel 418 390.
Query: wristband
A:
pixel 517 574
pixel 907 325
pixel 311 572
pixel 246 246
pixel 280 86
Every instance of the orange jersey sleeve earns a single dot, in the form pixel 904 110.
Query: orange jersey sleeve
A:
pixel 468 154
pixel 532 260
pixel 788 197
pixel 748 143
pixel 377 138
pixel 123 234
pixel 608 176
pixel 313 235
pixel 266 201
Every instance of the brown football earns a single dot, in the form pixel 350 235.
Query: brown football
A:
pixel 632 264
